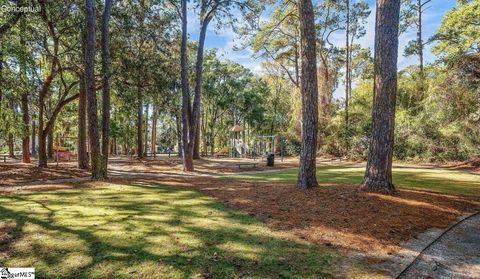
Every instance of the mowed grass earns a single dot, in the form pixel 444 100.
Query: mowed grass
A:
pixel 438 180
pixel 145 231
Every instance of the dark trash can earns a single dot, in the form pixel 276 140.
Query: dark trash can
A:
pixel 271 160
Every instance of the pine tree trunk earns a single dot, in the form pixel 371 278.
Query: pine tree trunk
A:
pixel 82 155
pixel 34 144
pixel 42 137
pixel 42 147
pixel 179 135
pixel 24 99
pixel 378 174
pixel 198 88
pixel 347 62
pixel 11 146
pixel 196 148
pixel 105 87
pixel 93 133
pixel 139 123
pixel 186 113
pixel 154 132
pixel 50 144
pixel 421 82
pixel 145 149
pixel 26 132
pixel 308 88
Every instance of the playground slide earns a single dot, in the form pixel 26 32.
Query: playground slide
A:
pixel 222 151
pixel 239 149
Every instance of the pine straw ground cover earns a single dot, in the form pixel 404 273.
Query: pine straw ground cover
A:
pixel 12 174
pixel 334 216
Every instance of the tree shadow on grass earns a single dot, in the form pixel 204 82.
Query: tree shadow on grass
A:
pixel 148 232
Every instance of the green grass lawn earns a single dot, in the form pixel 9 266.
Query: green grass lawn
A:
pixel 439 180
pixel 145 231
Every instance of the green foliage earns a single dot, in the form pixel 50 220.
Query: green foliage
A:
pixel 232 95
pixel 459 31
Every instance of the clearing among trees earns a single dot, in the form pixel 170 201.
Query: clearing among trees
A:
pixel 240 139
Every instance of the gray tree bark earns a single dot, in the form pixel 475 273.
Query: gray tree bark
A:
pixel 105 86
pixel 139 123
pixel 145 134
pixel 309 94
pixel 34 144
pixel 50 143
pixel 93 133
pixel 347 62
pixel 186 113
pixel 378 174
pixel 82 156
pixel 24 101
pixel 154 131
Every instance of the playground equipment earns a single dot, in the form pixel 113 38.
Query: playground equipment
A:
pixel 222 152
pixel 236 147
pixel 263 146
pixel 62 153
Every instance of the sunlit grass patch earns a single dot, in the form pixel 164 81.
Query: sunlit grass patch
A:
pixel 145 231
pixel 439 180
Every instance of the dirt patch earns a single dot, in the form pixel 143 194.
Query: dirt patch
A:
pixel 18 173
pixel 471 166
pixel 15 173
pixel 205 166
pixel 7 234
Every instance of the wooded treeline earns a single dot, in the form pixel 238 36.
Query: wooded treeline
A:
pixel 144 63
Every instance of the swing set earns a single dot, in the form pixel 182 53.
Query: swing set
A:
pixel 261 146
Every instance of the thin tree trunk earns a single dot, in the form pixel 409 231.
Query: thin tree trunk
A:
pixel 179 135
pixel 186 131
pixel 34 144
pixel 378 174
pixel 11 145
pixel 139 123
pixel 198 87
pixel 421 83
pixel 145 151
pixel 196 147
pixel 1 72
pixel 50 144
pixel 24 101
pixel 82 155
pixel 308 88
pixel 26 132
pixel 105 86
pixel 347 62
pixel 93 133
pixel 154 131
pixel 42 148
pixel 42 137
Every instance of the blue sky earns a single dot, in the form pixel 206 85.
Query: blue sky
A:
pixel 225 39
